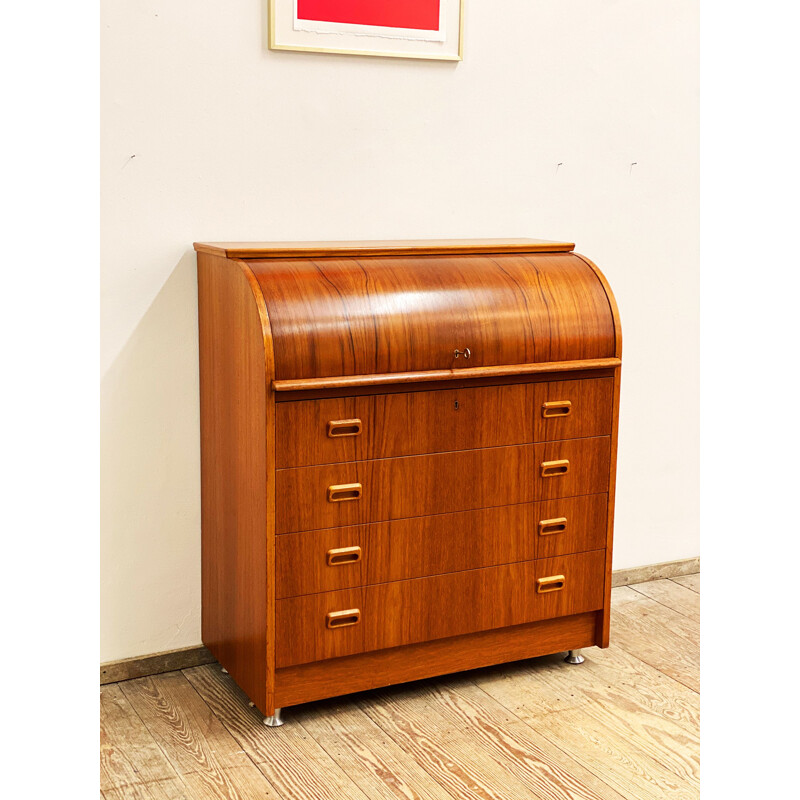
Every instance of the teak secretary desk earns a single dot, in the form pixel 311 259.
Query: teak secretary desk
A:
pixel 408 459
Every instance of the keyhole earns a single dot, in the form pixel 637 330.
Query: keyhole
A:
pixel 456 405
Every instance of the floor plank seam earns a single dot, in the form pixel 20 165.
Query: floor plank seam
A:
pixel 671 608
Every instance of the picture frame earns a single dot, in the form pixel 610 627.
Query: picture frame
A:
pixel 420 29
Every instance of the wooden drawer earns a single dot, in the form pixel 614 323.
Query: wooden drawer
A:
pixel 395 488
pixel 381 426
pixel 334 495
pixel 570 525
pixel 573 467
pixel 572 409
pixel 358 555
pixel 404 548
pixel 333 624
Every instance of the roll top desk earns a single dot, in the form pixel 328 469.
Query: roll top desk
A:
pixel 408 456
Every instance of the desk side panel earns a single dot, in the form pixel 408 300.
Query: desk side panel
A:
pixel 237 465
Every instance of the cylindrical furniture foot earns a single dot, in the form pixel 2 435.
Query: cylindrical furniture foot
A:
pixel 275 720
pixel 574 657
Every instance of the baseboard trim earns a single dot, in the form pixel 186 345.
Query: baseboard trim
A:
pixel 169 660
pixel 652 572
pixel 141 666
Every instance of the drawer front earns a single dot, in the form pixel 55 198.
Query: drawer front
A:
pixel 571 525
pixel 572 409
pixel 359 555
pixel 382 426
pixel 405 548
pixel 333 624
pixel 573 467
pixel 394 488
pixel 335 495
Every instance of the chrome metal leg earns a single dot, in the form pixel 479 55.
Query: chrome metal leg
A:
pixel 574 657
pixel 275 720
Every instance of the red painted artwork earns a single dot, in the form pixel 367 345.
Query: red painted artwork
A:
pixel 418 14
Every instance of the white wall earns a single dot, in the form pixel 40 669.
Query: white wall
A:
pixel 232 142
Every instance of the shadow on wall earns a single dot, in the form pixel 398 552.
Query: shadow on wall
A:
pixel 150 479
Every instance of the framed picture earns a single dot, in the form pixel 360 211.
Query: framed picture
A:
pixel 431 29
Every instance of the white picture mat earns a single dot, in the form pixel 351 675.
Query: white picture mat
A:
pixel 283 36
pixel 413 34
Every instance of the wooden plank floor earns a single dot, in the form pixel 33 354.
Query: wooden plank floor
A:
pixel 625 724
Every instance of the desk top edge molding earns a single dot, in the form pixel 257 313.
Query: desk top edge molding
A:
pixel 266 250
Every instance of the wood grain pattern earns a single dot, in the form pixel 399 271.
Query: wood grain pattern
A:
pixel 237 421
pixel 674 743
pixel 407 548
pixel 407 612
pixel 195 741
pixel 591 409
pixel 369 756
pixel 414 486
pixel 404 424
pixel 307 682
pixel 294 763
pixel 489 728
pixel 131 763
pixel 659 636
pixel 440 421
pixel 339 316
pixel 585 526
pixel 465 771
pixel 379 248
pixel 610 753
pixel 588 468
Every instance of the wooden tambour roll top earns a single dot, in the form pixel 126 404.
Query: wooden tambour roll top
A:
pixel 408 456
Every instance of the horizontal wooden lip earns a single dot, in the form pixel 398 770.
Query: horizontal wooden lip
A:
pixel 262 250
pixel 343 381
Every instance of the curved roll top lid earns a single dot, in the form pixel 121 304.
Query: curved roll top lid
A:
pixel 347 316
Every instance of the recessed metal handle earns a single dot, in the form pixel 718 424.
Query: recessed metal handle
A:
pixel 344 427
pixel 344 491
pixel 554 583
pixel 548 527
pixel 342 619
pixel 557 408
pixel 552 469
pixel 466 352
pixel 342 555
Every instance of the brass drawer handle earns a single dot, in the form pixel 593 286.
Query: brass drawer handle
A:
pixel 550 526
pixel 552 469
pixel 342 619
pixel 557 408
pixel 342 555
pixel 555 583
pixel 344 427
pixel 344 491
